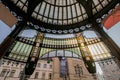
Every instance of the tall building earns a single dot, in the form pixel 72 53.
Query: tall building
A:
pixel 59 40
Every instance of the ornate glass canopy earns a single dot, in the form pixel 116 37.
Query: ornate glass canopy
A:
pixel 70 45
pixel 60 16
pixel 61 12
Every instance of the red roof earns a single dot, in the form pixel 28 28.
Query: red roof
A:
pixel 112 19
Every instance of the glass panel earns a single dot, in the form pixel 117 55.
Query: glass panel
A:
pixel 60 53
pixel 42 8
pixel 69 12
pixel 83 10
pixel 22 49
pixel 99 7
pixel 37 8
pixel 63 2
pixel 78 10
pixel 68 2
pixel 91 51
pixel 52 54
pixel 47 10
pixel 25 8
pixel 64 13
pixel 16 46
pixel 68 53
pixel 51 12
pixel 60 12
pixel 97 50
pixel 74 55
pixel 80 18
pixel 29 50
pixel 73 11
pixel 105 2
pixel 45 56
pixel 20 4
pixel 56 13
pixel 96 2
pixel 34 14
pixel 100 48
pixel 94 11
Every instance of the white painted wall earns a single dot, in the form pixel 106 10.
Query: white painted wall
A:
pixel 114 33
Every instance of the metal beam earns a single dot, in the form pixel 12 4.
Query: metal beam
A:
pixel 88 6
pixel 32 4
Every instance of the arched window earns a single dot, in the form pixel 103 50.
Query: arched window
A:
pixel 50 75
pixel 36 75
pixel 78 70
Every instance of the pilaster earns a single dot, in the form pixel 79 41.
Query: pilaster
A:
pixel 56 69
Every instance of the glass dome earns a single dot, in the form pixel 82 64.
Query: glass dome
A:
pixel 60 16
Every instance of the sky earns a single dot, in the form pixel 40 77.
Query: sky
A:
pixel 4 31
pixel 114 33
pixel 28 33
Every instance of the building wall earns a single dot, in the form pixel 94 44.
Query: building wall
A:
pixel 9 66
pixel 46 71
pixel 83 75
pixel 110 69
pixel 76 70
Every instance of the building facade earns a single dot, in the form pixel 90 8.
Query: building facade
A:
pixel 12 70
pixel 54 47
pixel 110 69
pixel 75 70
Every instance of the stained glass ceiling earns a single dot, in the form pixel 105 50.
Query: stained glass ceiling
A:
pixel 60 16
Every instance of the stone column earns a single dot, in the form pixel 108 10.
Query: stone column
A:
pixel 71 70
pixel 11 38
pixel 56 69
